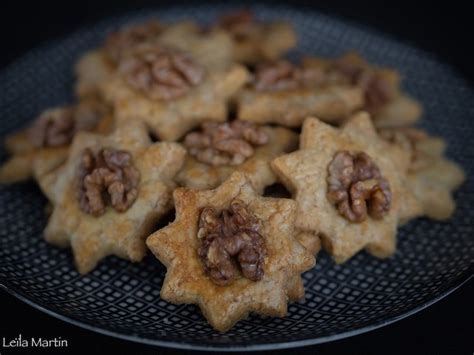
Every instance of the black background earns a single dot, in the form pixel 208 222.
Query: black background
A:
pixel 444 29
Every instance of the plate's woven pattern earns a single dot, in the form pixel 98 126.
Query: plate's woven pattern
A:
pixel 123 298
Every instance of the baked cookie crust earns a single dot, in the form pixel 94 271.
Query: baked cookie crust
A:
pixel 388 105
pixel 305 173
pixel 28 160
pixel 112 233
pixel 92 69
pixel 170 120
pixel 254 40
pixel 186 281
pixel 431 176
pixel 199 175
pixel 360 128
pixel 212 48
pixel 290 107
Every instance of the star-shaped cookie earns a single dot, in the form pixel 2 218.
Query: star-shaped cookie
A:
pixel 254 40
pixel 109 193
pixel 307 174
pixel 187 281
pixel 401 111
pixel 97 66
pixel 214 48
pixel 290 107
pixel 431 176
pixel 200 175
pixel 311 241
pixel 44 145
pixel 383 96
pixel 295 285
pixel 360 128
pixel 92 70
pixel 170 119
pixel 22 167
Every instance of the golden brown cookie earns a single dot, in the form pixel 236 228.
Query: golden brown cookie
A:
pixel 361 129
pixel 207 167
pixel 290 107
pixel 44 145
pixel 311 241
pixel 98 65
pixel 196 252
pixel 347 192
pixel 431 176
pixel 254 40
pixel 295 289
pixel 120 41
pixel 383 97
pixel 212 48
pixel 92 69
pixel 286 93
pixel 401 111
pixel 174 99
pixel 109 193
pixel 295 286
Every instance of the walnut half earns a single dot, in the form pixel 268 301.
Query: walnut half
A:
pixel 56 127
pixel 283 75
pixel 379 86
pixel 120 42
pixel 356 187
pixel 231 244
pixel 161 73
pixel 225 143
pixel 53 128
pixel 107 178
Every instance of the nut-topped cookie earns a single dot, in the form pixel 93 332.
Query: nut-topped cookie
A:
pixel 161 73
pixel 98 65
pixel 213 47
pixel 119 42
pixel 170 90
pixel 218 149
pixel 109 193
pixel 383 97
pixel 231 252
pixel 360 128
pixel 44 145
pixel 431 176
pixel 213 121
pixel 254 40
pixel 285 93
pixel 349 193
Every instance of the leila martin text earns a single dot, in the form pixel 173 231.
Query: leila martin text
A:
pixel 21 342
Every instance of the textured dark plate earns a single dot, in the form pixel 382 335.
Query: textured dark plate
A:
pixel 122 299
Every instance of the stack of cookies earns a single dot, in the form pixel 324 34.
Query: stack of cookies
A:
pixel 263 160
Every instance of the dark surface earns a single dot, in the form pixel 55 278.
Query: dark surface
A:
pixel 440 27
pixel 443 328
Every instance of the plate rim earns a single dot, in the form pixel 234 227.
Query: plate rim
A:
pixel 461 280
